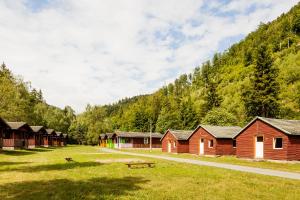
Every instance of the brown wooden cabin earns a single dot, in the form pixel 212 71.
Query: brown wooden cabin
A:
pixel 65 139
pixel 213 140
pixel 176 141
pixel 267 138
pixel 137 140
pixel 59 137
pixel 51 137
pixel 40 134
pixel 3 128
pixel 17 136
pixel 102 140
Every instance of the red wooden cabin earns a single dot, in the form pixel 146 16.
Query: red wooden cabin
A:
pixel 176 141
pixel 40 133
pixel 65 139
pixel 266 138
pixel 51 137
pixel 59 137
pixel 213 140
pixel 17 136
pixel 3 128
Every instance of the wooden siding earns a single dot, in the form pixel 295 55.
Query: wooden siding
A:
pixel 181 146
pixel 246 142
pixel 220 146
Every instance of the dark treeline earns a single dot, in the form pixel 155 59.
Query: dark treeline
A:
pixel 260 75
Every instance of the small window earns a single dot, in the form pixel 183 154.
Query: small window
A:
pixel 234 143
pixel 259 139
pixel 146 141
pixel 211 143
pixel 174 144
pixel 278 143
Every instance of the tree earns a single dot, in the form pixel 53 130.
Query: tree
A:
pixel 220 117
pixel 261 99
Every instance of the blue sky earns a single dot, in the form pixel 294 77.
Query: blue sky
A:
pixel 97 52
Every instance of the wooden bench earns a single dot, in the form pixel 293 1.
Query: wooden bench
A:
pixel 140 165
pixel 69 159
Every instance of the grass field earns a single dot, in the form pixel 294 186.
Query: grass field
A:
pixel 289 166
pixel 44 174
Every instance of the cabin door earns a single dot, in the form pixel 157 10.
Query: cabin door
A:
pixel 259 147
pixel 169 146
pixel 201 146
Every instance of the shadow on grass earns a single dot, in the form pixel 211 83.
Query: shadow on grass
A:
pixel 17 152
pixel 52 167
pixel 95 188
pixel 12 163
pixel 40 149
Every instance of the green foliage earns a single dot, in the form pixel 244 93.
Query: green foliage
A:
pixel 219 116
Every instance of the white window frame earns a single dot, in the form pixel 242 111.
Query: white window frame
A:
pixel 146 140
pixel 274 142
pixel 209 144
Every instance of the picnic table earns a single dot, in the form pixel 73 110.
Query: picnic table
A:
pixel 69 159
pixel 140 165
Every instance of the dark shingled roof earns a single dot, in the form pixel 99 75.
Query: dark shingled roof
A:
pixel 222 131
pixel 290 127
pixel 137 134
pixel 180 134
pixel 18 125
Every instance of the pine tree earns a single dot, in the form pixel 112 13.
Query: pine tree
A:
pixel 261 99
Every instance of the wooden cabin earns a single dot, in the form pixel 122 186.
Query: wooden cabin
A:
pixel 267 138
pixel 40 134
pixel 137 140
pixel 59 136
pixel 3 128
pixel 108 140
pixel 65 139
pixel 17 136
pixel 213 140
pixel 176 141
pixel 51 136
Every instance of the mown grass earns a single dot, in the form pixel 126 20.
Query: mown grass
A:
pixel 283 166
pixel 44 174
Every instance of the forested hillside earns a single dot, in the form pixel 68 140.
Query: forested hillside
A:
pixel 20 102
pixel 260 75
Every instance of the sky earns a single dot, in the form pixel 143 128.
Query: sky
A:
pixel 97 52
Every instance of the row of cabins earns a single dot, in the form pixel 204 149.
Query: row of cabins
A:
pixel 16 135
pixel 130 140
pixel 262 138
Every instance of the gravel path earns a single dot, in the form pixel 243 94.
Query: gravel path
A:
pixel 255 170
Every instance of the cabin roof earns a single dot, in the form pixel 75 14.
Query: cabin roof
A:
pixel 37 128
pixel 50 131
pixel 179 134
pixel 289 127
pixel 65 135
pixel 3 123
pixel 138 134
pixel 18 125
pixel 221 131
pixel 110 135
pixel 59 133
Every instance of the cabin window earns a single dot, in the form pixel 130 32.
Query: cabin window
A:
pixel 174 144
pixel 278 143
pixel 146 141
pixel 211 143
pixel 234 143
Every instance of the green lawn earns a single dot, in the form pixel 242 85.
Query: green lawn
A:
pixel 291 167
pixel 44 174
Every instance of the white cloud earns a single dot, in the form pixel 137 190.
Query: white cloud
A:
pixel 97 52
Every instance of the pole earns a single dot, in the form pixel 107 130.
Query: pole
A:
pixel 150 136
